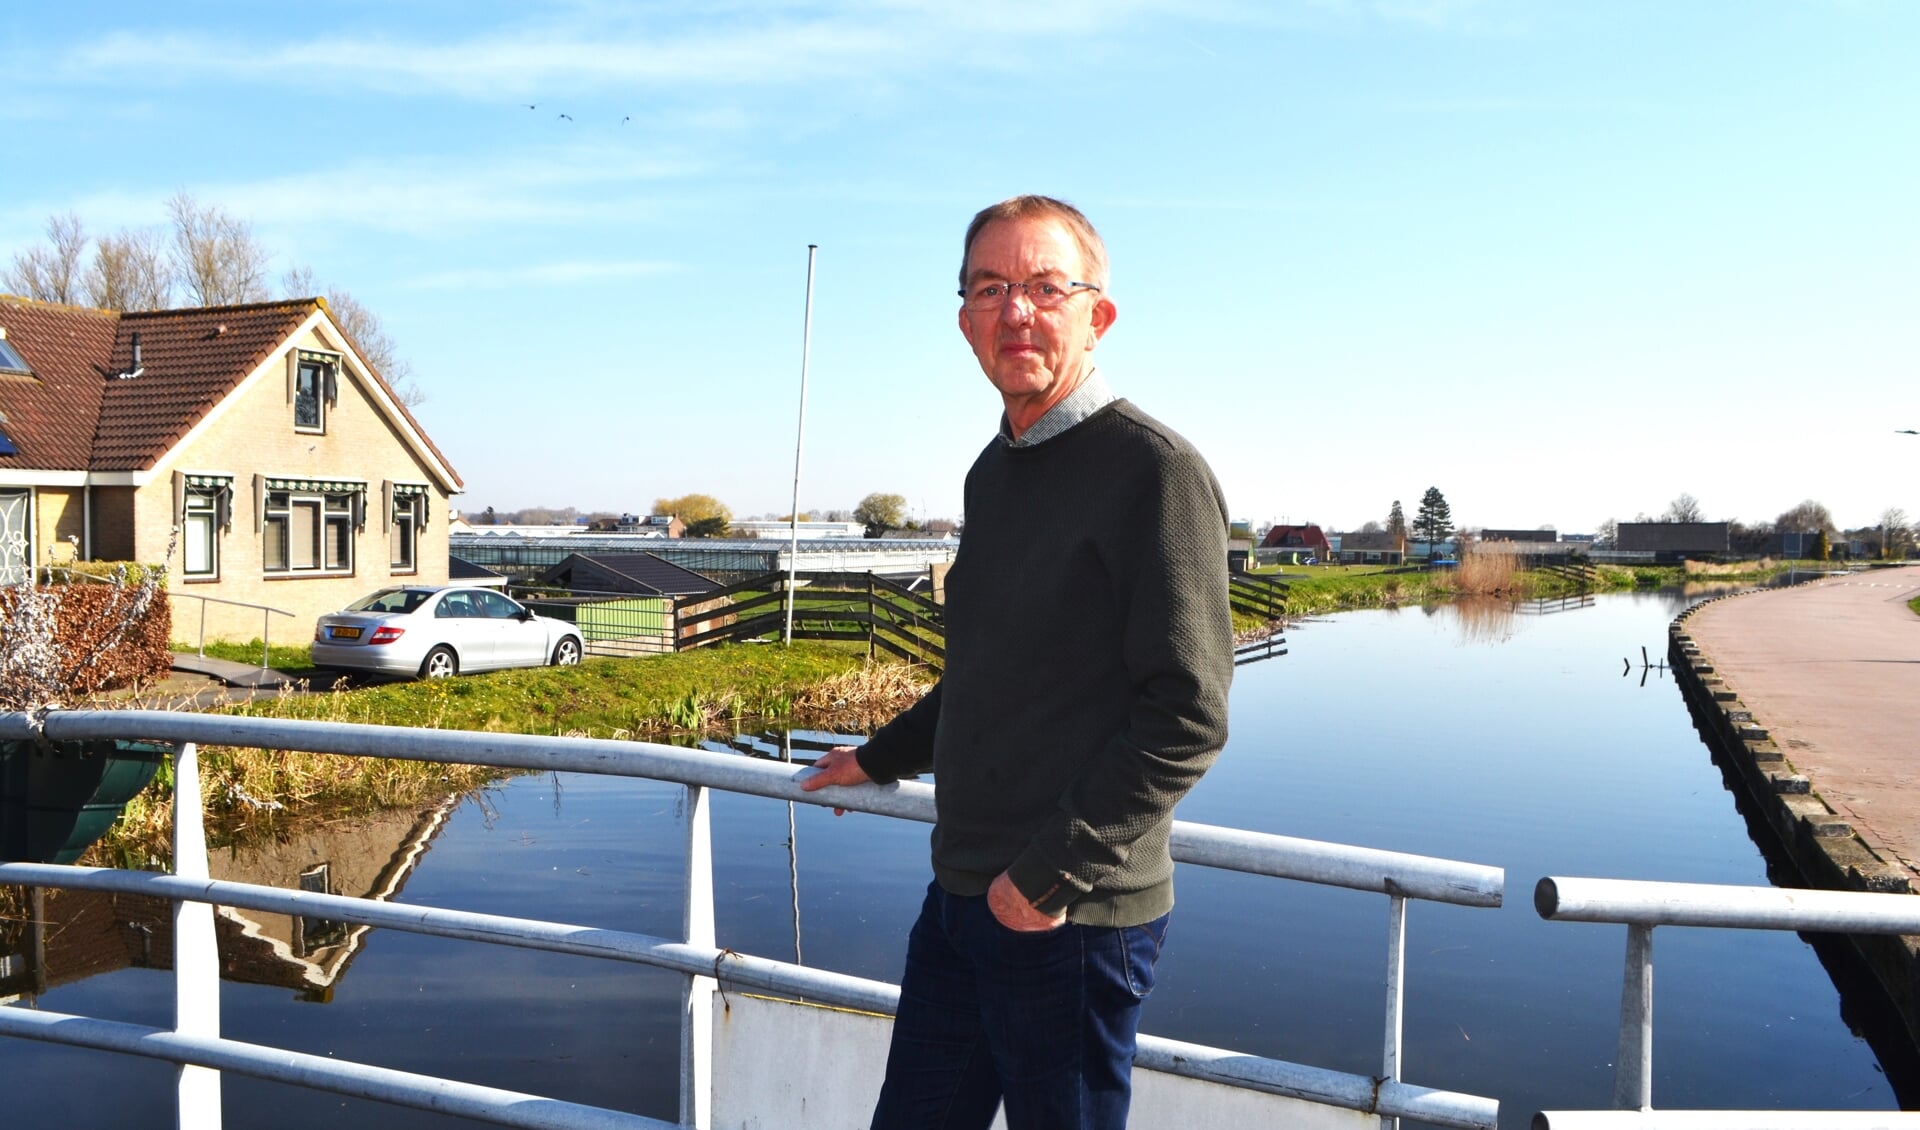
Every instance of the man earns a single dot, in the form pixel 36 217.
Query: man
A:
pixel 1089 650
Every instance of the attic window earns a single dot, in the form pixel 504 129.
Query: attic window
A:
pixel 313 383
pixel 10 359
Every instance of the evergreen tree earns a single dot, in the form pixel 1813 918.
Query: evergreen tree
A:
pixel 1434 521
pixel 1397 521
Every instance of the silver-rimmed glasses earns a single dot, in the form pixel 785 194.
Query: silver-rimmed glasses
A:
pixel 1044 294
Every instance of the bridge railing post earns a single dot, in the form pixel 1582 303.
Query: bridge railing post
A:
pixel 696 996
pixel 196 956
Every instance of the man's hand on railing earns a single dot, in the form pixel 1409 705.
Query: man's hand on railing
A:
pixel 837 766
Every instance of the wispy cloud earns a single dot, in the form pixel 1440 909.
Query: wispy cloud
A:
pixel 584 47
pixel 541 274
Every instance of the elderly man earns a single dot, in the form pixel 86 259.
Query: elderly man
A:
pixel 1089 650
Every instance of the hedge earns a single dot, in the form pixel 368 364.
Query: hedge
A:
pixel 86 618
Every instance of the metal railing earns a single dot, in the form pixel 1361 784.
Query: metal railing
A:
pixel 266 621
pixel 195 1044
pixel 1640 906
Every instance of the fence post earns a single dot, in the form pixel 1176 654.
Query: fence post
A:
pixel 196 955
pixel 873 618
pixel 696 996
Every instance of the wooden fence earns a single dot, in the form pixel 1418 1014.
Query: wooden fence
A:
pixel 827 606
pixel 1257 596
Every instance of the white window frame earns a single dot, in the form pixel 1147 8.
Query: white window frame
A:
pixel 200 523
pixel 332 515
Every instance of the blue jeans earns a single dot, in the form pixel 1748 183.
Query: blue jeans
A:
pixel 1043 1021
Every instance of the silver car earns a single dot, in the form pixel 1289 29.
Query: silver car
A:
pixel 434 632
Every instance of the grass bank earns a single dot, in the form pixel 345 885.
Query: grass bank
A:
pixel 253 792
pixel 1319 589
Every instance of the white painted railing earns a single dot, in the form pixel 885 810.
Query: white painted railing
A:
pixel 1641 906
pixel 195 1044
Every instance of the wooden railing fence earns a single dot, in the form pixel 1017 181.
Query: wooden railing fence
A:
pixel 885 614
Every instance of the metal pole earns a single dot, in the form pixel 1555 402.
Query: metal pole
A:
pixel 1396 993
pixel 696 996
pixel 799 434
pixel 793 852
pixel 196 955
pixel 1633 1066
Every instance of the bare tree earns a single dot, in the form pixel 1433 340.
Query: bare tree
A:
pixel 51 272
pixel 215 255
pixel 1896 535
pixel 364 328
pixel 130 272
pixel 1808 517
pixel 1685 508
pixel 375 345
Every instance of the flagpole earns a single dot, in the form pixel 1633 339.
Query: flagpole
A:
pixel 799 434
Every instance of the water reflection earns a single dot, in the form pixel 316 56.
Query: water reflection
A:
pixel 67 936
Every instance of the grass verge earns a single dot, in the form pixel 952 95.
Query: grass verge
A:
pixel 252 793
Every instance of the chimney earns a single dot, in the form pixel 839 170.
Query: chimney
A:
pixel 137 367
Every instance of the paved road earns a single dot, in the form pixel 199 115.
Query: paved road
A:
pixel 1832 670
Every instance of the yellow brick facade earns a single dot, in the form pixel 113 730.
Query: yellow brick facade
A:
pixel 252 433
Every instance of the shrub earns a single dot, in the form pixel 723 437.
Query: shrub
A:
pixel 66 641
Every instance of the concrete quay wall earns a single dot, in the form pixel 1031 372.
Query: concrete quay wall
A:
pixel 1824 847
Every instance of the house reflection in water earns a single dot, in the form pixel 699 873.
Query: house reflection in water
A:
pixel 50 938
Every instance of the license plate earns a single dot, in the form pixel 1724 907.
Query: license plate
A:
pixel 346 633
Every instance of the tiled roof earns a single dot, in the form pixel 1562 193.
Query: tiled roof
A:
pixel 192 359
pixel 1306 536
pixel 50 416
pixel 75 414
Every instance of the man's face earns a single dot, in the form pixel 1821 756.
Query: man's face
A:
pixel 1034 357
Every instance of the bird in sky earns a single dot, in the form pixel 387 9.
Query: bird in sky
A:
pixel 532 106
pixel 569 117
pixel 1905 432
pixel 625 120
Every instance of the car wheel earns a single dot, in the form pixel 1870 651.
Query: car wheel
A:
pixel 440 663
pixel 566 653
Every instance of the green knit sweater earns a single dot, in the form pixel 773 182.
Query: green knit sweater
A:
pixel 1089 650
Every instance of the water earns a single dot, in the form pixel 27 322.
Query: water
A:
pixel 1468 732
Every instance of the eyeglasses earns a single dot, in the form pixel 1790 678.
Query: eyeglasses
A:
pixel 1045 294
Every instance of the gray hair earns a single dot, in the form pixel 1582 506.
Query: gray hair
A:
pixel 1092 249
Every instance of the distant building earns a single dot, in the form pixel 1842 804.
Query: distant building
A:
pixel 1674 541
pixel 1381 547
pixel 1519 535
pixel 779 529
pixel 1295 544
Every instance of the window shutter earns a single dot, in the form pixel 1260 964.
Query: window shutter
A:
pixel 360 510
pixel 293 373
pixel 223 507
pixel 332 381
pixel 259 503
pixel 179 498
pixel 386 505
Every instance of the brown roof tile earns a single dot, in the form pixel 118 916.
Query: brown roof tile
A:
pixel 190 361
pixel 51 416
pixel 76 414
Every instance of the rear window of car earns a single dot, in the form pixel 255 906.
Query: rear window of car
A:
pixel 391 600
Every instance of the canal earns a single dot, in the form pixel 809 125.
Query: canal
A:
pixel 1510 737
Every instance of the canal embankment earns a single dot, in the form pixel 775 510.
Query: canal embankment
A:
pixel 1811 697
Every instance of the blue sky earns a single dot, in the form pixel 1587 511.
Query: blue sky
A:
pixel 1562 260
